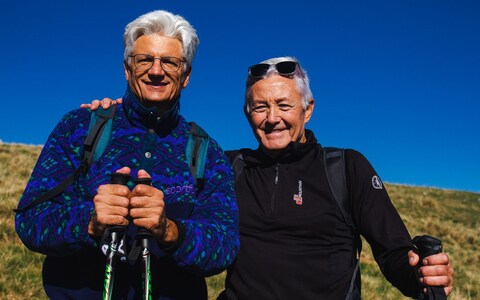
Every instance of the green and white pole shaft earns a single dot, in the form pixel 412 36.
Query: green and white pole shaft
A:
pixel 144 236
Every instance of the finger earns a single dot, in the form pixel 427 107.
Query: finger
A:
pixel 436 281
pixel 448 290
pixel 155 224
pixel 143 187
pixel 437 270
pixel 436 259
pixel 146 223
pixel 144 212
pixel 106 191
pixel 143 223
pixel 150 202
pixel 146 193
pixel 143 178
pixel 104 220
pixel 107 102
pixel 118 100
pixel 438 275
pixel 95 104
pixel 143 174
pixel 413 258
pixel 124 170
pixel 112 210
pixel 115 196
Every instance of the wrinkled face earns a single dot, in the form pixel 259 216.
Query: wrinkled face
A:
pixel 277 116
pixel 154 86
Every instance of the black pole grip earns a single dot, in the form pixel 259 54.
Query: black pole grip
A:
pixel 119 178
pixel 426 246
pixel 147 181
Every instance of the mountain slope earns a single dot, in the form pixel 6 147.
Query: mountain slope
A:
pixel 452 216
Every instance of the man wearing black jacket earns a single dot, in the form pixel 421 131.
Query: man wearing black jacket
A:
pixel 294 241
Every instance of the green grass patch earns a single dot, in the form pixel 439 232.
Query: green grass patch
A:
pixel 452 216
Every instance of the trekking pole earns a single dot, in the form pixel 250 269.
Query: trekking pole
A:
pixel 144 236
pixel 429 245
pixel 116 233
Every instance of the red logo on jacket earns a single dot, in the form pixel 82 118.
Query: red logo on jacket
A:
pixel 298 198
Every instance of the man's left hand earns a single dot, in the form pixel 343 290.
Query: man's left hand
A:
pixel 436 270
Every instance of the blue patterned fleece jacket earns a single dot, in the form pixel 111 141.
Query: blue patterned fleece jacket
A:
pixel 74 267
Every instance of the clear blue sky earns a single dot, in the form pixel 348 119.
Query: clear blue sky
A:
pixel 397 80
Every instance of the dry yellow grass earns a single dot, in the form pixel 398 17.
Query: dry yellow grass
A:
pixel 450 215
pixel 21 269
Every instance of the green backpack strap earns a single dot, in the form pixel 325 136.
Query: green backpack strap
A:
pixel 335 169
pixel 196 153
pixel 98 137
pixel 99 133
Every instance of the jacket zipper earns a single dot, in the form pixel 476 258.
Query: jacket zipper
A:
pixel 275 184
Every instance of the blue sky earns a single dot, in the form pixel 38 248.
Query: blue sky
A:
pixel 397 80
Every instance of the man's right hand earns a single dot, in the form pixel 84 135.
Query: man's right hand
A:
pixel 105 103
pixel 111 207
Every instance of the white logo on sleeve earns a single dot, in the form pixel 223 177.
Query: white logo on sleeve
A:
pixel 377 183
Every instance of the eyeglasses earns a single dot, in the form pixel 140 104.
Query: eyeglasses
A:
pixel 283 68
pixel 145 62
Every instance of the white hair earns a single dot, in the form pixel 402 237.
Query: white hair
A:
pixel 300 76
pixel 166 24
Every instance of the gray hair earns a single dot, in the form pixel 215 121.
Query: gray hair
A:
pixel 300 76
pixel 166 24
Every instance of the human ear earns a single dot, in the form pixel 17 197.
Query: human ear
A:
pixel 309 110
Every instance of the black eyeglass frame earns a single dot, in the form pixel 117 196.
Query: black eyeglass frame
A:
pixel 285 68
pixel 162 62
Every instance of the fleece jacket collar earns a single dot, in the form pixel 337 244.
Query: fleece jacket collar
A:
pixel 149 117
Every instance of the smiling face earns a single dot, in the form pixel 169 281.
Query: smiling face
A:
pixel 277 116
pixel 154 86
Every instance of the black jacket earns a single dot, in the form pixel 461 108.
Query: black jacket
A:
pixel 294 242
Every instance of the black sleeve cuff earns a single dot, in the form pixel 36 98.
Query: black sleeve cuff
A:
pixel 181 237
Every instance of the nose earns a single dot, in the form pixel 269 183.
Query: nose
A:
pixel 273 114
pixel 156 68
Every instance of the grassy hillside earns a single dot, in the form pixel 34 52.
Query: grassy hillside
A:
pixel 451 215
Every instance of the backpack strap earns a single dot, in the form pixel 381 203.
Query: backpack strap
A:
pixel 238 164
pixel 334 161
pixel 335 169
pixel 196 153
pixel 48 196
pixel 98 137
pixel 99 134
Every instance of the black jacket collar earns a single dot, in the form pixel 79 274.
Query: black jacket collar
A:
pixel 293 152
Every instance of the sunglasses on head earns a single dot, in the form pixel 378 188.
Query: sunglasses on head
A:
pixel 283 68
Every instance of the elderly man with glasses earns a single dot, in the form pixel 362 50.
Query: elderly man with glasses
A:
pixel 194 231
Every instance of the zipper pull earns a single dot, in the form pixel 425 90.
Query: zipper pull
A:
pixel 276 174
